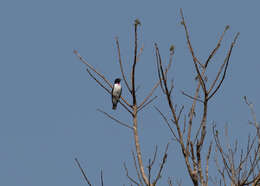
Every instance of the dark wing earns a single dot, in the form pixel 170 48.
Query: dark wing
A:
pixel 112 92
pixel 120 93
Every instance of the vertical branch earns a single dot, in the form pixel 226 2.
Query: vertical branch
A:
pixel 192 110
pixel 207 163
pixel 165 89
pixel 101 177
pixel 136 168
pixel 202 128
pixel 135 109
pixel 195 60
pixel 138 148
pixel 134 64
pixel 205 105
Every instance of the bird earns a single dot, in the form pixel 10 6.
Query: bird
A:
pixel 116 93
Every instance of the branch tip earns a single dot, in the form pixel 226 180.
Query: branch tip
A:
pixel 137 22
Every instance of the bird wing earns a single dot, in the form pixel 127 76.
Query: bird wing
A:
pixel 120 93
pixel 112 92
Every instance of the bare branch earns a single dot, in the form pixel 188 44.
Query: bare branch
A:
pixel 101 177
pixel 154 157
pixel 92 68
pixel 101 76
pixel 221 172
pixel 251 106
pixel 127 175
pixel 179 115
pixel 116 120
pixel 195 60
pixel 161 166
pixel 91 75
pixel 149 95
pixel 207 162
pixel 164 86
pixel 159 68
pixel 83 172
pixel 169 181
pixel 121 65
pixel 147 103
pixel 140 52
pixel 165 74
pixel 191 97
pixel 149 172
pixel 134 65
pixel 226 62
pixel 168 124
pixel 135 110
pixel 137 172
pixel 217 47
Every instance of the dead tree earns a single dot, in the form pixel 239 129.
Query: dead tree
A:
pixel 190 138
pixel 133 108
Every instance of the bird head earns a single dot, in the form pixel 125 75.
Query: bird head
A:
pixel 117 80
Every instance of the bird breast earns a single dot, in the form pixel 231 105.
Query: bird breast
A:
pixel 117 90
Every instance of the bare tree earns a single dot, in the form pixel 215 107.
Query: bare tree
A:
pixel 192 148
pixel 144 177
pixel 185 130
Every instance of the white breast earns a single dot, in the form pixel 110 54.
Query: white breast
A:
pixel 117 90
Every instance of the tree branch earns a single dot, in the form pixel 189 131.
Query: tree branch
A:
pixel 100 75
pixel 226 62
pixel 195 60
pixel 116 120
pixel 82 171
pixel 121 65
pixel 161 166
pixel 127 175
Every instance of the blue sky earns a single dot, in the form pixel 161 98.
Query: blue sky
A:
pixel 48 101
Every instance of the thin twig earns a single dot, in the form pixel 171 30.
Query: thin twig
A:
pixel 179 115
pixel 191 97
pixel 91 75
pixel 147 103
pixel 207 162
pixel 116 120
pixel 92 68
pixel 140 52
pixel 127 175
pixel 226 62
pixel 101 177
pixel 169 181
pixel 162 165
pixel 121 65
pixel 217 47
pixel 168 124
pixel 154 157
pixel 83 172
pixel 137 172
pixel 195 60
pixel 149 95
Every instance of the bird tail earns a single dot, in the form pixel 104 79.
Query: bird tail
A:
pixel 114 106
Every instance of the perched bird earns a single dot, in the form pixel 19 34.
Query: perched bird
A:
pixel 116 92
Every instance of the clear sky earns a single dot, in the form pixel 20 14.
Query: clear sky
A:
pixel 48 101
